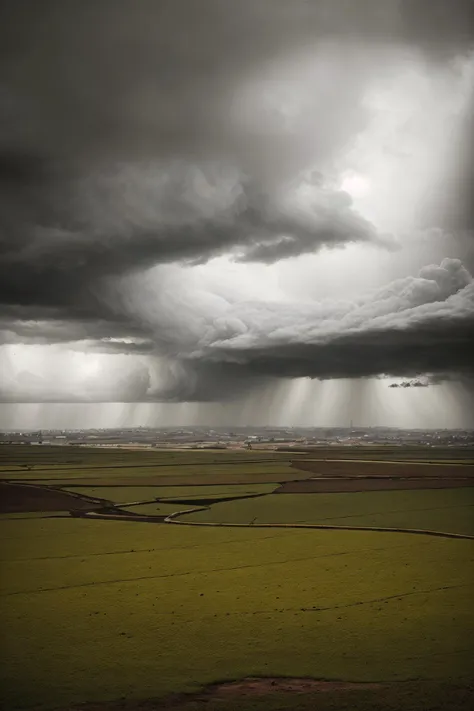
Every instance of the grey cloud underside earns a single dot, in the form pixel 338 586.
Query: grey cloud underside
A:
pixel 158 82
pixel 415 331
pixel 393 353
pixel 60 265
pixel 415 326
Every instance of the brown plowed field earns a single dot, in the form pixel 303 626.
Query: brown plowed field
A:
pixel 19 498
pixel 383 469
pixel 315 486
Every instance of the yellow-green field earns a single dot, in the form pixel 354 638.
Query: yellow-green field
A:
pixel 448 510
pixel 97 610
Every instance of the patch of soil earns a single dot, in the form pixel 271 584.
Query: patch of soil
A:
pixel 273 685
pixel 22 498
pixel 382 469
pixel 228 691
pixel 303 694
pixel 336 485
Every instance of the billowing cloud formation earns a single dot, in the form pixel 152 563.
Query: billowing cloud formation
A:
pixel 172 132
pixel 412 326
pixel 155 143
pixel 164 215
pixel 216 349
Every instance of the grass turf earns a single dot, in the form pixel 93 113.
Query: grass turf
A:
pixel 96 610
pixel 120 494
pixel 249 473
pixel 447 510
pixel 21 457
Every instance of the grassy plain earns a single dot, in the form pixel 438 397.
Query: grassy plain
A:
pixel 435 454
pixel 74 457
pixel 448 510
pixel 120 494
pixel 206 475
pixel 96 610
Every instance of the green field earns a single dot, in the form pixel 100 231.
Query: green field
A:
pixel 96 610
pixel 388 453
pixel 20 457
pixel 448 510
pixel 209 475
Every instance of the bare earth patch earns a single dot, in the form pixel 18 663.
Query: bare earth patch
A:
pixel 340 485
pixel 19 498
pixel 230 691
pixel 339 468
pixel 265 686
pixel 303 694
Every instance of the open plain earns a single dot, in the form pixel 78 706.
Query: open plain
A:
pixel 184 580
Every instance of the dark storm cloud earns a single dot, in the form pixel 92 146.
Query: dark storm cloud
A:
pixel 414 326
pixel 89 84
pixel 133 134
pixel 410 384
pixel 85 75
pixel 156 219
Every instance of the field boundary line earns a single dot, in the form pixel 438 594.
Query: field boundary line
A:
pixel 426 462
pixel 206 571
pixel 173 518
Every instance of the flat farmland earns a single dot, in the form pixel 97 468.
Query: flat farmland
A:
pixel 23 498
pixel 405 452
pixel 111 612
pixel 121 494
pixel 103 610
pixel 38 457
pixel 209 476
pixel 338 483
pixel 367 468
pixel 58 466
pixel 449 510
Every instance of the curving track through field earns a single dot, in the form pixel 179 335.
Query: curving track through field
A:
pixel 21 497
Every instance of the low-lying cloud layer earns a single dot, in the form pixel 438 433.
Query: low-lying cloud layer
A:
pixel 416 325
pixel 412 326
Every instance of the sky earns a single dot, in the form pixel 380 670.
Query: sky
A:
pixel 220 212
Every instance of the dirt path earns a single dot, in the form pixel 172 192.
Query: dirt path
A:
pixel 22 498
pixel 176 519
